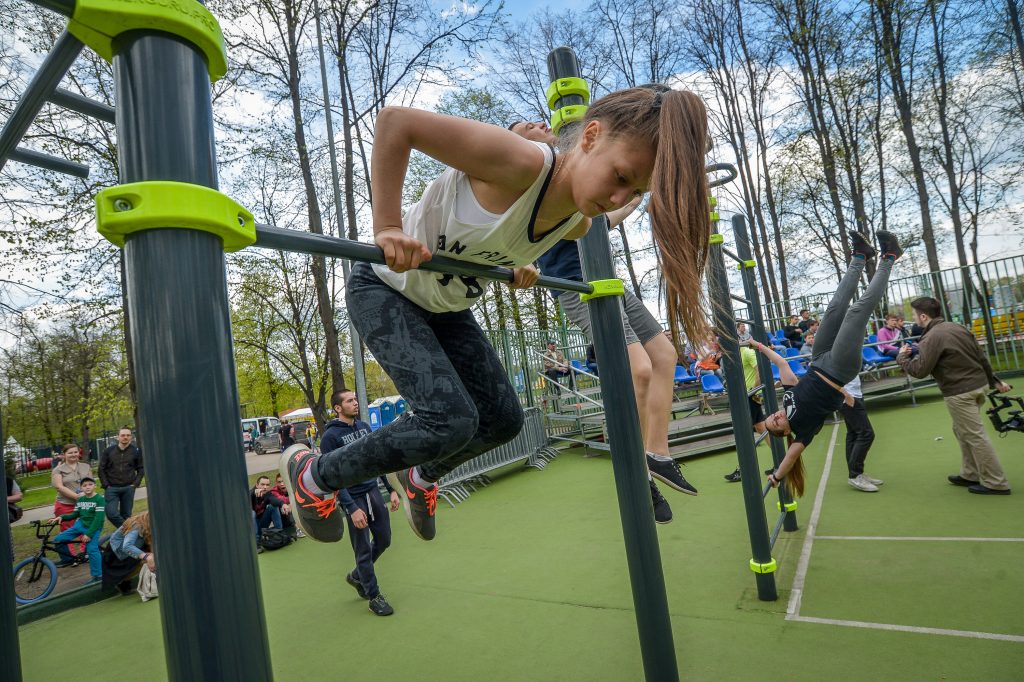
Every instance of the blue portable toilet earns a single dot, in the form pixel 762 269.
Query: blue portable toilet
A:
pixel 387 411
pixel 374 414
pixel 400 406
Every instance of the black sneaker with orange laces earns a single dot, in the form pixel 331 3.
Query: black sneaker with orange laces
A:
pixel 419 503
pixel 889 244
pixel 859 244
pixel 318 516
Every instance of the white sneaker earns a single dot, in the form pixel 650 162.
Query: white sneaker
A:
pixel 872 481
pixel 861 483
pixel 299 533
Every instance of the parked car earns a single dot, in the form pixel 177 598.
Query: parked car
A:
pixel 271 440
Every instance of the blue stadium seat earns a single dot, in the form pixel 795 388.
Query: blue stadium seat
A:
pixel 798 369
pixel 577 365
pixel 792 352
pixel 775 371
pixel 873 357
pixel 872 338
pixel 682 376
pixel 711 384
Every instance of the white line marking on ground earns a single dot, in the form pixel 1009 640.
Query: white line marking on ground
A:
pixel 908 628
pixel 793 608
pixel 915 539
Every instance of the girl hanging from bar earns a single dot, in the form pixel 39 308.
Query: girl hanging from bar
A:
pixel 835 360
pixel 503 201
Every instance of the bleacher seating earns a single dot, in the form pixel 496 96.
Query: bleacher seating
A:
pixel 798 369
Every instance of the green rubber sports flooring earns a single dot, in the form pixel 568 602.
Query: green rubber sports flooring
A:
pixel 527 581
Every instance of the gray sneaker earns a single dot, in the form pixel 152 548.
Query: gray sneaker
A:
pixel 419 503
pixel 860 483
pixel 873 481
pixel 317 516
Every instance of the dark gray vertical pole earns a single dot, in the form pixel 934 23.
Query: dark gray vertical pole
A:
pixel 210 600
pixel 750 477
pixel 760 333
pixel 643 556
pixel 10 654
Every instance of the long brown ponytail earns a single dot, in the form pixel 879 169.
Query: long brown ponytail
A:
pixel 796 477
pixel 676 123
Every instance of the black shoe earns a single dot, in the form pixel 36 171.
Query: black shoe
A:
pixel 662 512
pixel 889 244
pixel 670 474
pixel 982 490
pixel 318 517
pixel 380 606
pixel 125 587
pixel 860 244
pixel 734 477
pixel 959 480
pixel 351 580
pixel 419 503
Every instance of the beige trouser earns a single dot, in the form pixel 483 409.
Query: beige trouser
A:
pixel 979 460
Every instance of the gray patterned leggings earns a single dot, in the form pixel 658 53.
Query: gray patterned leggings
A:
pixel 462 403
pixel 840 338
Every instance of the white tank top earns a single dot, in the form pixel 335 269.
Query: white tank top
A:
pixel 439 220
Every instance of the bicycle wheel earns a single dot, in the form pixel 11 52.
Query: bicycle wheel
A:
pixel 34 579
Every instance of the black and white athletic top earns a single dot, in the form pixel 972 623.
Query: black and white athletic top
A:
pixel 808 404
pixel 446 219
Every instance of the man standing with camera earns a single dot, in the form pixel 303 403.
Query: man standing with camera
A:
pixel 950 353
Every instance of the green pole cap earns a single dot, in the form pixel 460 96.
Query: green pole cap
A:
pixel 565 115
pixel 716 239
pixel 126 209
pixel 563 87
pixel 604 287
pixel 746 264
pixel 98 22
pixel 758 567
pixel 789 506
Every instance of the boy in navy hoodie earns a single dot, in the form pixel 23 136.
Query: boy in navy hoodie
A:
pixel 369 524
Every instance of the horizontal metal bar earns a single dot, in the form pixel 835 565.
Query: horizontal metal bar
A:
pixel 53 68
pixel 739 299
pixel 270 237
pixel 731 254
pixel 750 322
pixel 54 163
pixel 65 7
pixel 717 168
pixel 83 105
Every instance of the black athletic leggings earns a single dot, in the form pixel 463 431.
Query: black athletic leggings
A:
pixel 462 403
pixel 840 338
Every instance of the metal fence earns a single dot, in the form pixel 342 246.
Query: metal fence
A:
pixel 517 350
pixel 530 445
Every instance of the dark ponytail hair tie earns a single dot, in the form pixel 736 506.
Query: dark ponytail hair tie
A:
pixel 656 102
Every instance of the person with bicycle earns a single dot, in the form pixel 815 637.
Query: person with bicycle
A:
pixel 88 515
pixel 14 495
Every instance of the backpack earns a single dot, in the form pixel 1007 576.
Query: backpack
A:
pixel 274 538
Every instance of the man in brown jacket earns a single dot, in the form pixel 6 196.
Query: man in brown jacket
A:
pixel 950 353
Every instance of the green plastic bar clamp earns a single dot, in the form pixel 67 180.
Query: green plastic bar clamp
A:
pixel 758 567
pixel 747 264
pixel 714 216
pixel 712 202
pixel 98 22
pixel 565 115
pixel 789 506
pixel 604 287
pixel 125 209
pixel 564 87
pixel 716 239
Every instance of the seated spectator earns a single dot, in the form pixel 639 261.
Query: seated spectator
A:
pixel 792 332
pixel 266 507
pixel 806 321
pixel 742 335
pixel 280 491
pixel 592 359
pixel 889 337
pixel 807 349
pixel 710 360
pixel 88 517
pixel 129 546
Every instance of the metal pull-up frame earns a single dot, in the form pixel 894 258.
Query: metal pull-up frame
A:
pixel 761 542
